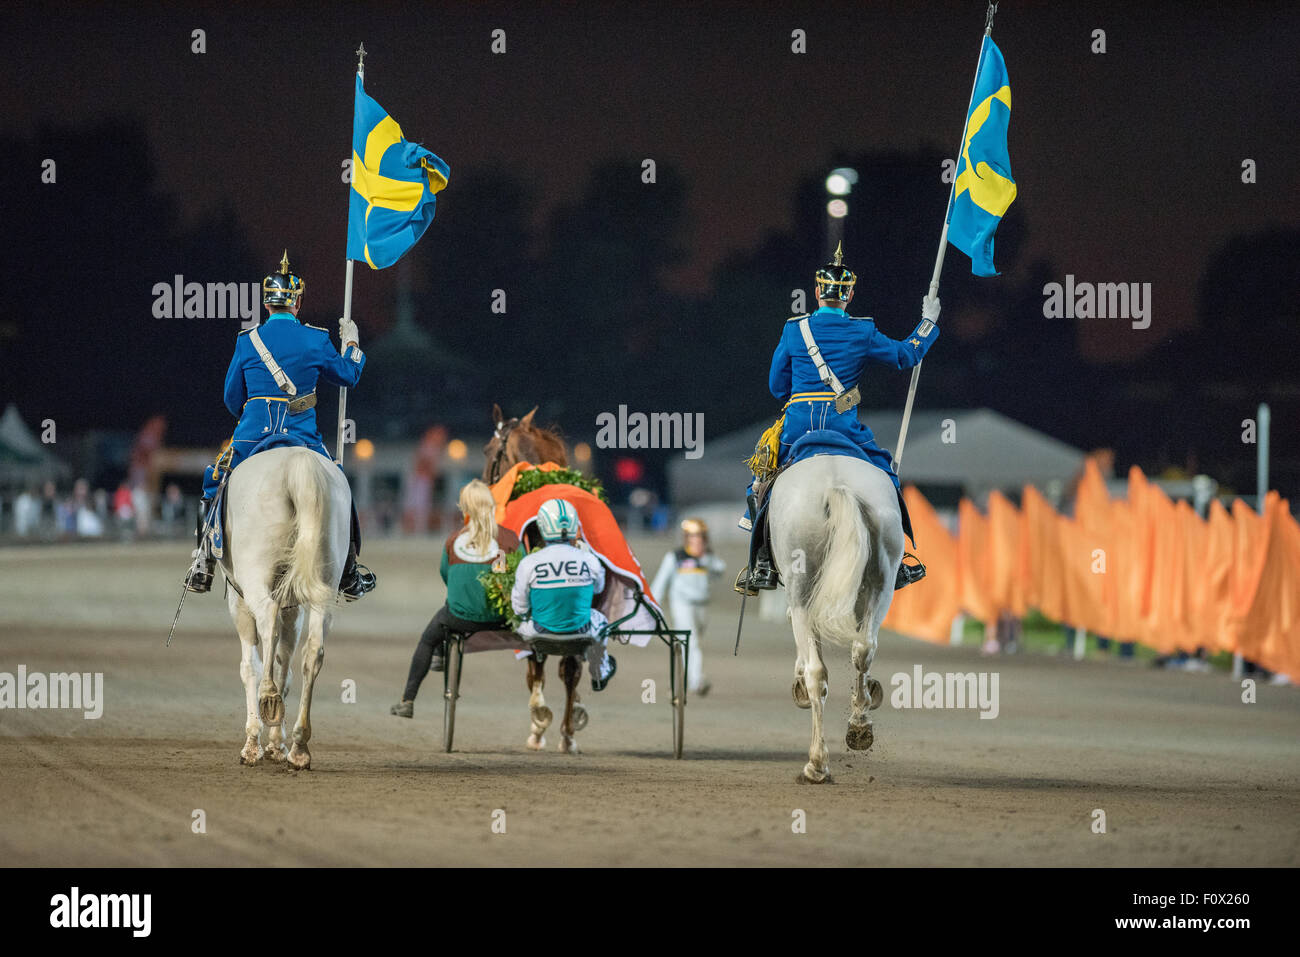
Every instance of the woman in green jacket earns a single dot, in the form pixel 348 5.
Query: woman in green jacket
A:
pixel 468 552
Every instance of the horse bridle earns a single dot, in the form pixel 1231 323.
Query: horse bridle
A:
pixel 494 473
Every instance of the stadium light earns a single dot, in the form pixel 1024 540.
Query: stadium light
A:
pixel 841 181
pixel 837 209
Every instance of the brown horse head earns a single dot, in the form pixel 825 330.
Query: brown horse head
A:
pixel 518 440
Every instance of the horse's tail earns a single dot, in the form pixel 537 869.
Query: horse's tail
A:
pixel 303 580
pixel 832 604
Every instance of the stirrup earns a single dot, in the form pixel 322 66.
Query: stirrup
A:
pixel 202 570
pixel 908 574
pixel 750 584
pixel 742 586
pixel 361 581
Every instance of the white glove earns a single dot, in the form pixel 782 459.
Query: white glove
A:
pixel 930 308
pixel 348 332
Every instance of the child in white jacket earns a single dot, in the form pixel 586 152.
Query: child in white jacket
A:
pixel 682 582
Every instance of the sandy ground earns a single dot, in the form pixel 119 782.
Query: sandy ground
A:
pixel 1185 772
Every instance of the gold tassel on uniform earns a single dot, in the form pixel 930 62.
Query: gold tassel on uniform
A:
pixel 763 462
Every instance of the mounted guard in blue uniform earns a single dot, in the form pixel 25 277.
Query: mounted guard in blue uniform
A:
pixel 817 354
pixel 271 389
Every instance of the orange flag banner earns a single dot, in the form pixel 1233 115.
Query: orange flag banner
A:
pixel 1144 569
pixel 927 609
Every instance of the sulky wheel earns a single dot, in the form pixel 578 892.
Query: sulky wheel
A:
pixel 679 697
pixel 451 691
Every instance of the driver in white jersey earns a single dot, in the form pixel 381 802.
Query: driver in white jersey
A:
pixel 556 587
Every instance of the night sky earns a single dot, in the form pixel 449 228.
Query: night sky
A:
pixel 1128 163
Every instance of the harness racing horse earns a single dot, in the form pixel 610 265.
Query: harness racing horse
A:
pixel 518 440
pixel 837 537
pixel 286 542
pixel 513 441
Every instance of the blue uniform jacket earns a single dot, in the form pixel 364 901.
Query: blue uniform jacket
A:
pixel 306 355
pixel 847 344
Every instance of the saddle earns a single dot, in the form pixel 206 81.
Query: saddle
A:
pixel 816 442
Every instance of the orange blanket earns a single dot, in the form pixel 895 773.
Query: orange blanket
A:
pixel 600 530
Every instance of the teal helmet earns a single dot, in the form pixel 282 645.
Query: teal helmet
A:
pixel 835 280
pixel 282 288
pixel 557 520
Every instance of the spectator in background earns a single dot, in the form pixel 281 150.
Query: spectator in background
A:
pixel 172 509
pixel 123 509
pixel 50 510
pixel 84 522
pixel 682 582
pixel 27 513
pixel 65 516
pixel 100 498
pixel 142 505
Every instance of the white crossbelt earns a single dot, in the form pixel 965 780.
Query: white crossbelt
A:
pixel 281 378
pixel 827 376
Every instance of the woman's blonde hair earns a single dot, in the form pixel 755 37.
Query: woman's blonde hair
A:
pixel 480 510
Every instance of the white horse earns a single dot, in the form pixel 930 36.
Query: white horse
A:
pixel 286 541
pixel 837 537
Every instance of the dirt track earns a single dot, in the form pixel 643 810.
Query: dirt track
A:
pixel 1186 773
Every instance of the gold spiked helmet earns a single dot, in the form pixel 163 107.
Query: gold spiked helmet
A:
pixel 835 280
pixel 282 288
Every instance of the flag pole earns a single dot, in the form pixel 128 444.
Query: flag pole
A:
pixel 943 239
pixel 347 300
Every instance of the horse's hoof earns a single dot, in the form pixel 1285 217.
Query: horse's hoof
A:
pixel 876 692
pixel 536 742
pixel 859 736
pixel 251 755
pixel 271 708
pixel 300 759
pixel 543 716
pixel 580 717
pixel 800 693
pixel 568 745
pixel 275 754
pixel 812 775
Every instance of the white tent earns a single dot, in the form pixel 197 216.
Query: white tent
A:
pixel 24 459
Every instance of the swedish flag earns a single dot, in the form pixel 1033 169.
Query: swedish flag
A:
pixel 983 188
pixel 393 186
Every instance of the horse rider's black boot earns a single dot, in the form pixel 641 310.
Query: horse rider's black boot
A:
pixel 357 578
pixel 763 576
pixel 760 574
pixel 908 573
pixel 199 578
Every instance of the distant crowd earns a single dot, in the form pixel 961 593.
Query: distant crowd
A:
pixel 49 513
